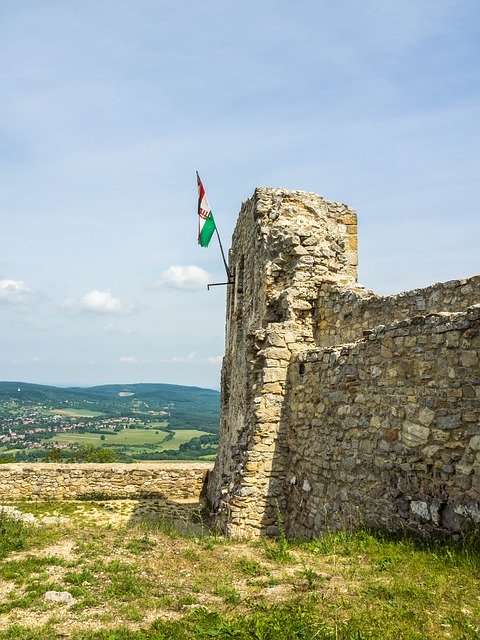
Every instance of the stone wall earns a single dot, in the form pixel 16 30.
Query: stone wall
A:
pixel 339 405
pixel 386 431
pixel 173 482
pixel 344 313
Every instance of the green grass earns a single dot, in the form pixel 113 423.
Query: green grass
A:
pixel 17 536
pixel 150 580
pixel 181 436
pixel 130 437
pixel 13 535
pixel 20 571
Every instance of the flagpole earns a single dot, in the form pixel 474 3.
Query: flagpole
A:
pixel 229 275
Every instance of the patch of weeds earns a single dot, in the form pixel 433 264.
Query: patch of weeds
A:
pixel 463 624
pixel 86 601
pixel 309 580
pixel 14 535
pixel 131 613
pixel 78 578
pixel 125 583
pixel 278 552
pixel 34 592
pixel 191 525
pixel 250 567
pixel 121 633
pixel 186 600
pixel 17 602
pixel 17 632
pixel 192 555
pixel 160 525
pixel 385 564
pixel 397 592
pixel 271 581
pixel 20 570
pixel 229 594
pixel 209 542
pixel 48 508
pixel 334 543
pixel 39 588
pixel 94 545
pixel 164 600
pixel 140 545
pixel 294 621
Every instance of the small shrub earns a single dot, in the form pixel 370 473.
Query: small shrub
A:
pixel 13 535
pixel 78 578
pixel 229 594
pixel 250 567
pixel 139 545
pixel 278 552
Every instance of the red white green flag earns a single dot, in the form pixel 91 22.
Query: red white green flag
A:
pixel 206 223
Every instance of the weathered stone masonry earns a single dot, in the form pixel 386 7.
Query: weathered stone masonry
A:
pixel 339 406
pixel 173 484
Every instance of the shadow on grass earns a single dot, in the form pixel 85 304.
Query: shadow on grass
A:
pixel 158 511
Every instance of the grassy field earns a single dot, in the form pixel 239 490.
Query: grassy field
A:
pixel 131 437
pixel 181 436
pixel 139 578
pixel 74 413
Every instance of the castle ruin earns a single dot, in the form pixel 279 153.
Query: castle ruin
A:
pixel 341 407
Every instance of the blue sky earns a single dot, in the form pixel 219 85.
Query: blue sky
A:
pixel 108 107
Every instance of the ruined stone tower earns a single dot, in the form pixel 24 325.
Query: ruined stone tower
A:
pixel 339 405
pixel 285 244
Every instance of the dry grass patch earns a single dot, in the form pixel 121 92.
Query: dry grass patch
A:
pixel 146 575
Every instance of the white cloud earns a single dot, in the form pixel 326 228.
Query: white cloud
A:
pixel 131 360
pixel 185 278
pixel 14 292
pixel 101 302
pixel 192 358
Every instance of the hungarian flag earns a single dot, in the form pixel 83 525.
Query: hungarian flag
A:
pixel 206 223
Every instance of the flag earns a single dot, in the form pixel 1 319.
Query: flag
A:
pixel 206 223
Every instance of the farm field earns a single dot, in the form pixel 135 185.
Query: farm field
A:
pixel 131 437
pixel 123 423
pixel 75 413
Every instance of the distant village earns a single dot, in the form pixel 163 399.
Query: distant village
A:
pixel 30 427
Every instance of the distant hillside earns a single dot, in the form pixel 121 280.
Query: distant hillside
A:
pixel 187 407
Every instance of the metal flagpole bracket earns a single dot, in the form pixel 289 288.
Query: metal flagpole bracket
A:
pixel 220 284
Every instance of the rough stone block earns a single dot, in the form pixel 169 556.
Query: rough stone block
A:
pixel 414 434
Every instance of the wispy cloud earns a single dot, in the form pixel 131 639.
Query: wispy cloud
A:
pixel 184 278
pixel 15 292
pixel 131 360
pixel 193 358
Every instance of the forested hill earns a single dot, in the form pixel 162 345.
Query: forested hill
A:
pixel 185 406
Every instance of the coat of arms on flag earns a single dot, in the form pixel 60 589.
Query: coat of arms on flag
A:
pixel 206 223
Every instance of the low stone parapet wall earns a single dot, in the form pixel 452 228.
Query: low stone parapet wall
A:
pixel 175 482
